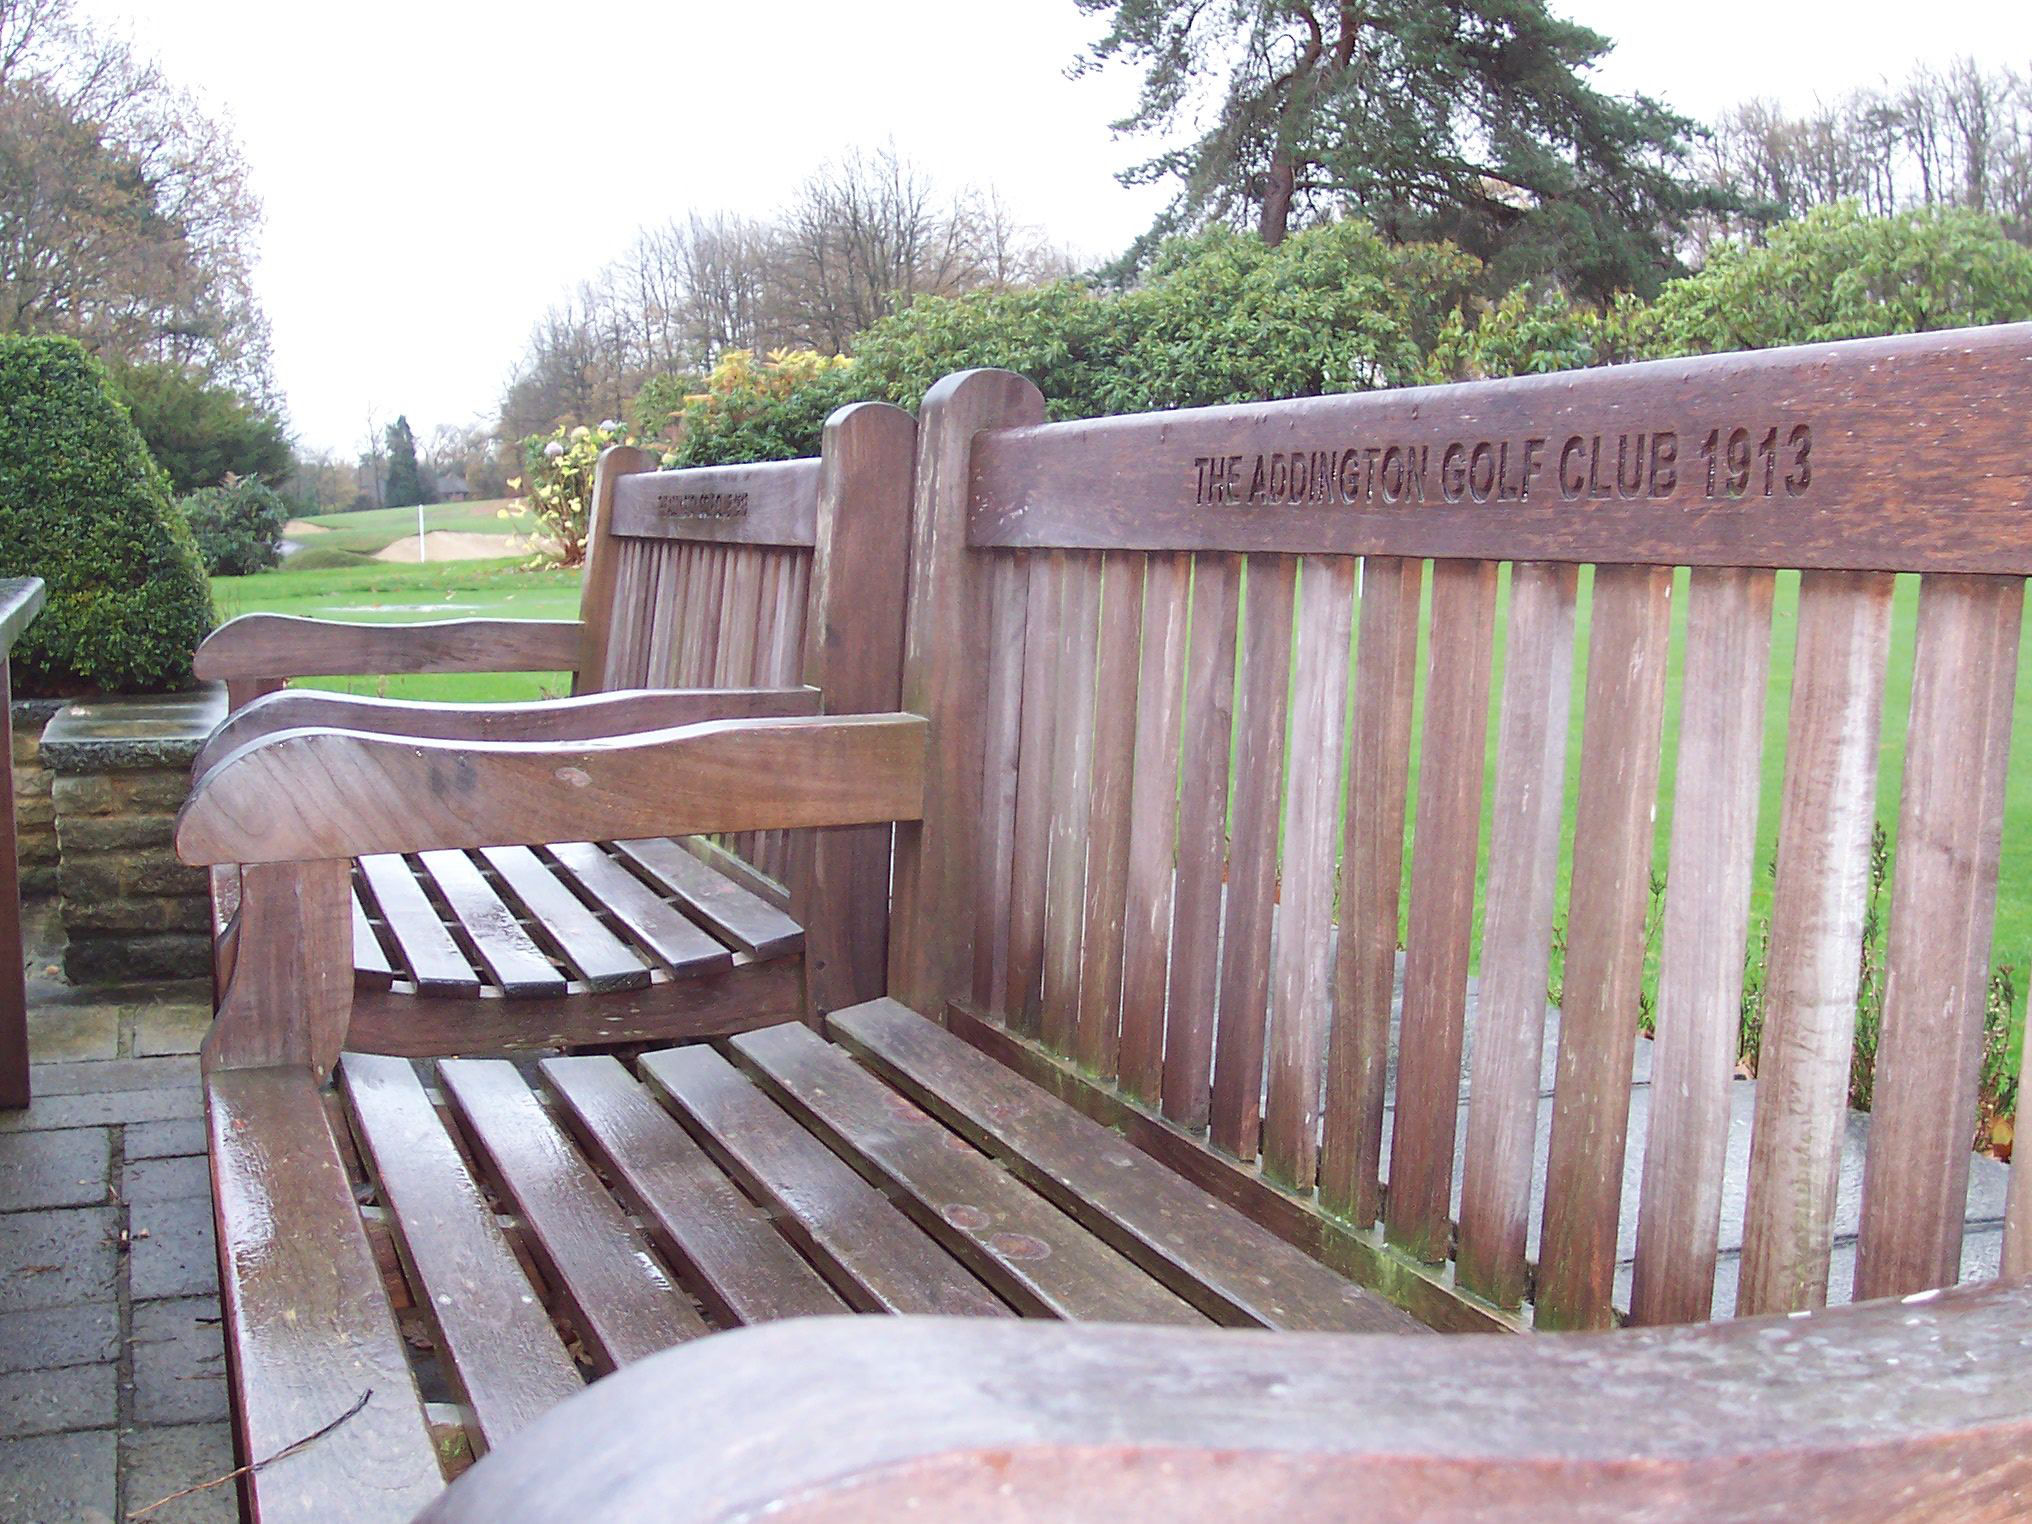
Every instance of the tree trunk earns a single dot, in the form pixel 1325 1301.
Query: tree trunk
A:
pixel 1276 218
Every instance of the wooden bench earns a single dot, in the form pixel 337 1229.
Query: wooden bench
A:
pixel 751 591
pixel 1140 1056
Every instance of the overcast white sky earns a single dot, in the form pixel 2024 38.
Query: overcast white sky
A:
pixel 435 174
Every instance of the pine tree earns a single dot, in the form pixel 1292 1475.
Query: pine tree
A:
pixel 406 486
pixel 1469 120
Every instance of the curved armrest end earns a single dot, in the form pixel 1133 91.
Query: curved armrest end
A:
pixel 1910 1409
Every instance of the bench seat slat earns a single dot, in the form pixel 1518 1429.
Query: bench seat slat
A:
pixel 879 1259
pixel 734 914
pixel 434 959
pixel 1024 1247
pixel 717 1239
pixel 1210 1254
pixel 516 962
pixel 498 1342
pixel 623 1303
pixel 308 1321
pixel 370 961
pixel 681 946
pixel 578 936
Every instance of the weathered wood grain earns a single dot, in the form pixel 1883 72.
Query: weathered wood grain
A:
pixel 1037 748
pixel 1098 1031
pixel 1912 461
pixel 1262 706
pixel 600 584
pixel 1441 919
pixel 601 959
pixel 290 994
pixel 306 1319
pixel 1943 907
pixel 1830 797
pixel 497 1342
pixel 775 503
pixel 273 646
pixel 1072 765
pixel 719 1241
pixel 1372 858
pixel 1302 969
pixel 1008 614
pixel 1153 825
pixel 1202 841
pixel 304 795
pixel 623 1306
pixel 1517 931
pixel 1700 971
pixel 1629 635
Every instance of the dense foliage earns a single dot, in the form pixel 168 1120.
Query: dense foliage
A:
pixel 405 486
pixel 237 525
pixel 83 507
pixel 198 431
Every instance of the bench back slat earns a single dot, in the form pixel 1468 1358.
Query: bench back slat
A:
pixel 1517 930
pixel 1372 856
pixel 1707 911
pixel 1943 902
pixel 1183 807
pixel 1262 702
pixel 1605 943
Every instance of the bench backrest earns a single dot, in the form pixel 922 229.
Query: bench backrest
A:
pixel 1174 672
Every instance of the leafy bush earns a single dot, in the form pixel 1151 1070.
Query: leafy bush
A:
pixel 557 484
pixel 774 410
pixel 199 432
pixel 83 507
pixel 237 526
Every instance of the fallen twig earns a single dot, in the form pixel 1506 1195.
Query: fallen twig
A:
pixel 292 1448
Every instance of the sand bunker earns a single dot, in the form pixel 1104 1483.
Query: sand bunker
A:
pixel 296 529
pixel 455 545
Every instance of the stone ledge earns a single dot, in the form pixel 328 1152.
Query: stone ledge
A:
pixel 130 733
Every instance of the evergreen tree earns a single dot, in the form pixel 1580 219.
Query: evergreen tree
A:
pixel 406 486
pixel 1470 121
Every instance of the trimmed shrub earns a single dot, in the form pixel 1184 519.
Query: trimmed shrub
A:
pixel 238 526
pixel 83 507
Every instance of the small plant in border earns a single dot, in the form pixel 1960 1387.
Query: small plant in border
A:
pixel 557 485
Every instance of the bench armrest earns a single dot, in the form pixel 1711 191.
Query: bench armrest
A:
pixel 1914 1409
pixel 272 647
pixel 584 718
pixel 304 796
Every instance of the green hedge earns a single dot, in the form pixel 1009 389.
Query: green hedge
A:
pixel 83 507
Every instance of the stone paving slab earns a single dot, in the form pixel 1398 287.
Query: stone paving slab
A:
pixel 54 1169
pixel 162 1140
pixel 48 1402
pixel 170 1252
pixel 104 1109
pixel 48 1337
pixel 58 1258
pixel 179 1362
pixel 171 1029
pixel 60 1479
pixel 72 1033
pixel 146 1183
pixel 113 1074
pixel 162 1461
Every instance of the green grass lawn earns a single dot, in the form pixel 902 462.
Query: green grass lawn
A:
pixel 391 592
pixel 375 528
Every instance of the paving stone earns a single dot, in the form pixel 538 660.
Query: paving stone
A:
pixel 179 1361
pixel 114 1075
pixel 58 1258
pixel 52 1111
pixel 54 1169
pixel 180 1028
pixel 147 1182
pixel 52 1336
pixel 162 1140
pixel 47 1402
pixel 175 1257
pixel 157 1462
pixel 60 1479
pixel 62 1033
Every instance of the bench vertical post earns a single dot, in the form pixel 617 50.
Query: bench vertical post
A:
pixel 839 878
pixel 603 564
pixel 21 600
pixel 932 933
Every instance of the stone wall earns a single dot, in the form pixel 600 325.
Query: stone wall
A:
pixel 34 814
pixel 120 769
